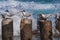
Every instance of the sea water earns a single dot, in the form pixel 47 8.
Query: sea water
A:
pixel 33 38
pixel 34 8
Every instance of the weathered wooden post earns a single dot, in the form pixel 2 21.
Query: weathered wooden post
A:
pixel 26 26
pixel 7 29
pixel 26 29
pixel 45 27
pixel 58 24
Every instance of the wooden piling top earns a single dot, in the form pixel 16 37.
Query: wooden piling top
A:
pixel 25 21
pixel 6 21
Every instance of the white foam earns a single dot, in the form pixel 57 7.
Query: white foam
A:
pixel 28 5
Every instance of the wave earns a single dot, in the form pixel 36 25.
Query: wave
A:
pixel 27 5
pixel 41 1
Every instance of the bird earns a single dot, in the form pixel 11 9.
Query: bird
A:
pixel 8 13
pixel 26 14
pixel 43 17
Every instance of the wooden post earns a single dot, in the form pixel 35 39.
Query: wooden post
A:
pixel 58 24
pixel 26 29
pixel 45 27
pixel 45 30
pixel 7 29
